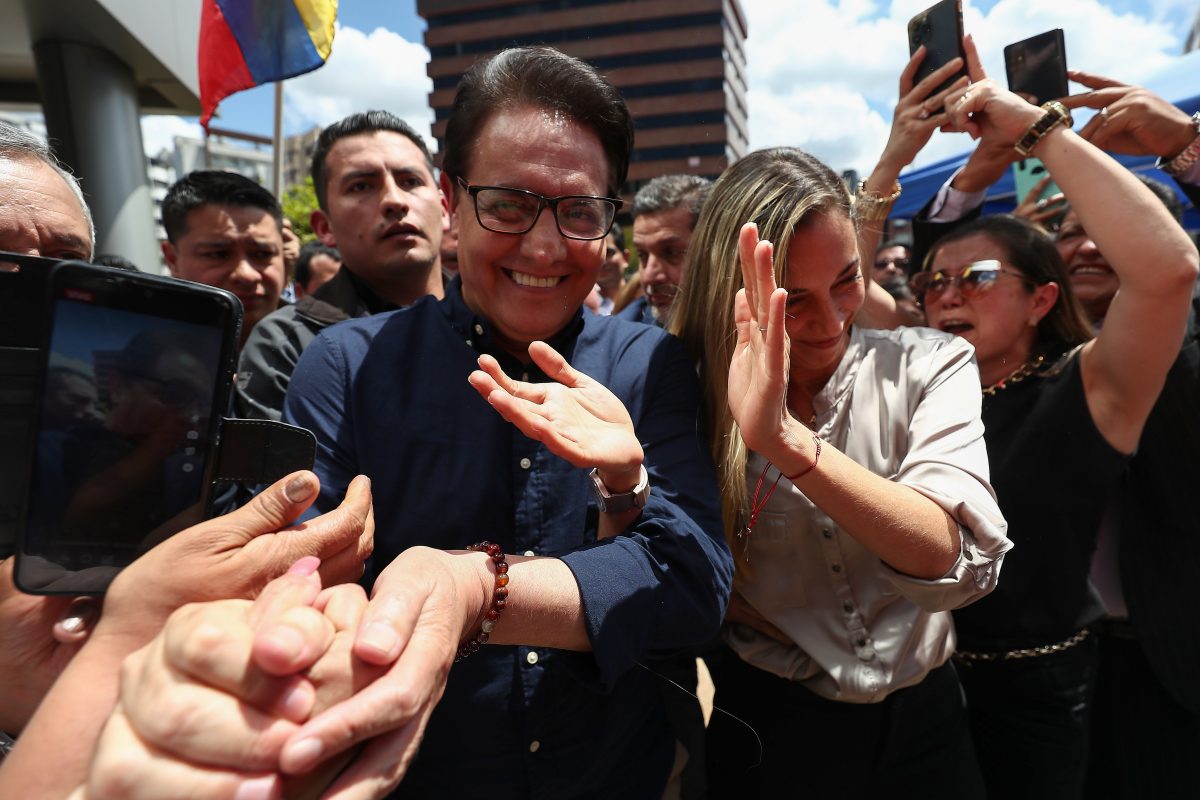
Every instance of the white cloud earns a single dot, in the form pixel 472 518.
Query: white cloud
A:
pixel 377 70
pixel 159 132
pixel 824 74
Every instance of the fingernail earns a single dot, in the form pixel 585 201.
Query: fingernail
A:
pixel 302 755
pixel 256 789
pixel 305 566
pixel 297 701
pixel 379 637
pixel 300 488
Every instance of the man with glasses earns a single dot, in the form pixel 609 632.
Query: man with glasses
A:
pixel 891 262
pixel 504 411
pixel 380 206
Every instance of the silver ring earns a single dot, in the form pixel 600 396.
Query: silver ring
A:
pixel 1104 112
pixel 924 113
pixel 762 330
pixel 1041 204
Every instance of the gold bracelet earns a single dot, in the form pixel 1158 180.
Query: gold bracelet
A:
pixel 872 206
pixel 1056 114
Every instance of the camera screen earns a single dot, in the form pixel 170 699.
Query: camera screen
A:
pixel 126 422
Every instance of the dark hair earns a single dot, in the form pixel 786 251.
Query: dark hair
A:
pixel 617 231
pixel 1032 252
pixel 544 78
pixel 213 187
pixel 115 261
pixel 672 191
pixel 888 245
pixel 1166 194
pixel 358 124
pixel 304 261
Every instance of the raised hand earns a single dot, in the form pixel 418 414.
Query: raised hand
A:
pixel 576 417
pixel 1038 209
pixel 919 112
pixel 758 372
pixel 987 111
pixel 1132 120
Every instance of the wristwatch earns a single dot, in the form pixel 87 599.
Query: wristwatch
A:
pixel 622 501
pixel 1185 159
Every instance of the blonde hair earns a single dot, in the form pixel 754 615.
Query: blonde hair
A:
pixel 778 189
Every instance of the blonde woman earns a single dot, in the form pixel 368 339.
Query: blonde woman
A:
pixel 855 494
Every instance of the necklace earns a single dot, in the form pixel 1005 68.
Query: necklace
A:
pixel 1016 376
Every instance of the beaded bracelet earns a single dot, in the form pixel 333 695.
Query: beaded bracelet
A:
pixel 499 599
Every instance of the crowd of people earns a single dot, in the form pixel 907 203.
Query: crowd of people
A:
pixel 919 507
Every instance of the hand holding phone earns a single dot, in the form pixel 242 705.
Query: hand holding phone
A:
pixel 1037 67
pixel 940 29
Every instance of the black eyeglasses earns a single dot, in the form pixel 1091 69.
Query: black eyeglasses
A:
pixel 974 278
pixel 578 216
pixel 884 263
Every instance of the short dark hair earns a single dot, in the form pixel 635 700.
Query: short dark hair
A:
pixel 358 124
pixel 307 253
pixel 672 191
pixel 213 187
pixel 1166 194
pixel 1032 252
pixel 543 78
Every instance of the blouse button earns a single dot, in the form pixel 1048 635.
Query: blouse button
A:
pixel 526 463
pixel 528 553
pixel 534 745
pixel 531 657
pixel 478 329
pixel 828 534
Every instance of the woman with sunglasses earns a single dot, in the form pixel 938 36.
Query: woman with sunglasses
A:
pixel 855 498
pixel 1062 412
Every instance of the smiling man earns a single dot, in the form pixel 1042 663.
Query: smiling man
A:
pixel 380 206
pixel 225 230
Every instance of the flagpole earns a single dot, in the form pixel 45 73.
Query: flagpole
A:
pixel 277 147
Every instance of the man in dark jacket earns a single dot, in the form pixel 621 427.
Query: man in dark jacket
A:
pixel 382 209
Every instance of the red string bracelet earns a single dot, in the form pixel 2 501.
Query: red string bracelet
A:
pixel 756 507
pixel 499 599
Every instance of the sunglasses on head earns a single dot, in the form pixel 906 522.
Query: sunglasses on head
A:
pixel 929 285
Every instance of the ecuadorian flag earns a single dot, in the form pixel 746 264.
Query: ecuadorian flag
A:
pixel 245 43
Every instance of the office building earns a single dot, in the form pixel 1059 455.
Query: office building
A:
pixel 680 64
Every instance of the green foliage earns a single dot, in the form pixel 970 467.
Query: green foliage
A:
pixel 298 203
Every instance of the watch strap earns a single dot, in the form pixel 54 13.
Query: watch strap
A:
pixel 609 503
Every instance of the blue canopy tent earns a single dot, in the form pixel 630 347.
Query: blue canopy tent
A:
pixel 921 184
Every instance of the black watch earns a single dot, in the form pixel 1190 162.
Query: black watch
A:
pixel 623 501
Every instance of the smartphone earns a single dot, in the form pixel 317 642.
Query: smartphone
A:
pixel 135 372
pixel 940 29
pixel 1026 173
pixel 22 290
pixel 1037 67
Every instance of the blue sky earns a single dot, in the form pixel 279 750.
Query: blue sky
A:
pixel 822 73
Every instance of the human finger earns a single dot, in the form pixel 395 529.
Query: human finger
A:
pixel 747 243
pixel 555 366
pixel 211 644
pixel 1092 80
pixel 344 605
pixel 764 281
pixel 1099 98
pixel 1036 190
pixel 350 525
pixel 777 334
pixel 1095 125
pixel 524 390
pixel 124 767
pixel 935 106
pixel 974 63
pixel 910 70
pixel 1048 208
pixel 935 79
pixel 191 719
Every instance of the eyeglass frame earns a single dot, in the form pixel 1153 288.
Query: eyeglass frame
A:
pixel 958 281
pixel 543 203
pixel 903 262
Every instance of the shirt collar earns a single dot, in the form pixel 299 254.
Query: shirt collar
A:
pixel 477 332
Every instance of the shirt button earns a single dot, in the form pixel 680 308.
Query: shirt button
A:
pixel 836 567
pixel 478 329
pixel 528 553
pixel 534 745
pixel 531 657
pixel 470 343
pixel 828 534
pixel 848 608
pixel 526 463
pixel 525 377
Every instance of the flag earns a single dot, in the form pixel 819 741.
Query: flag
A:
pixel 245 43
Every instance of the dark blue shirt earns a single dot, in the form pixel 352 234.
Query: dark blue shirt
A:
pixel 388 396
pixel 638 311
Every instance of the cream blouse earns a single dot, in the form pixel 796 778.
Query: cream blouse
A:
pixel 904 404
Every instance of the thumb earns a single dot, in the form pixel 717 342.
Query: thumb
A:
pixel 275 508
pixel 555 366
pixel 346 530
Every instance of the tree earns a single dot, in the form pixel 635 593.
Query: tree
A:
pixel 299 201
